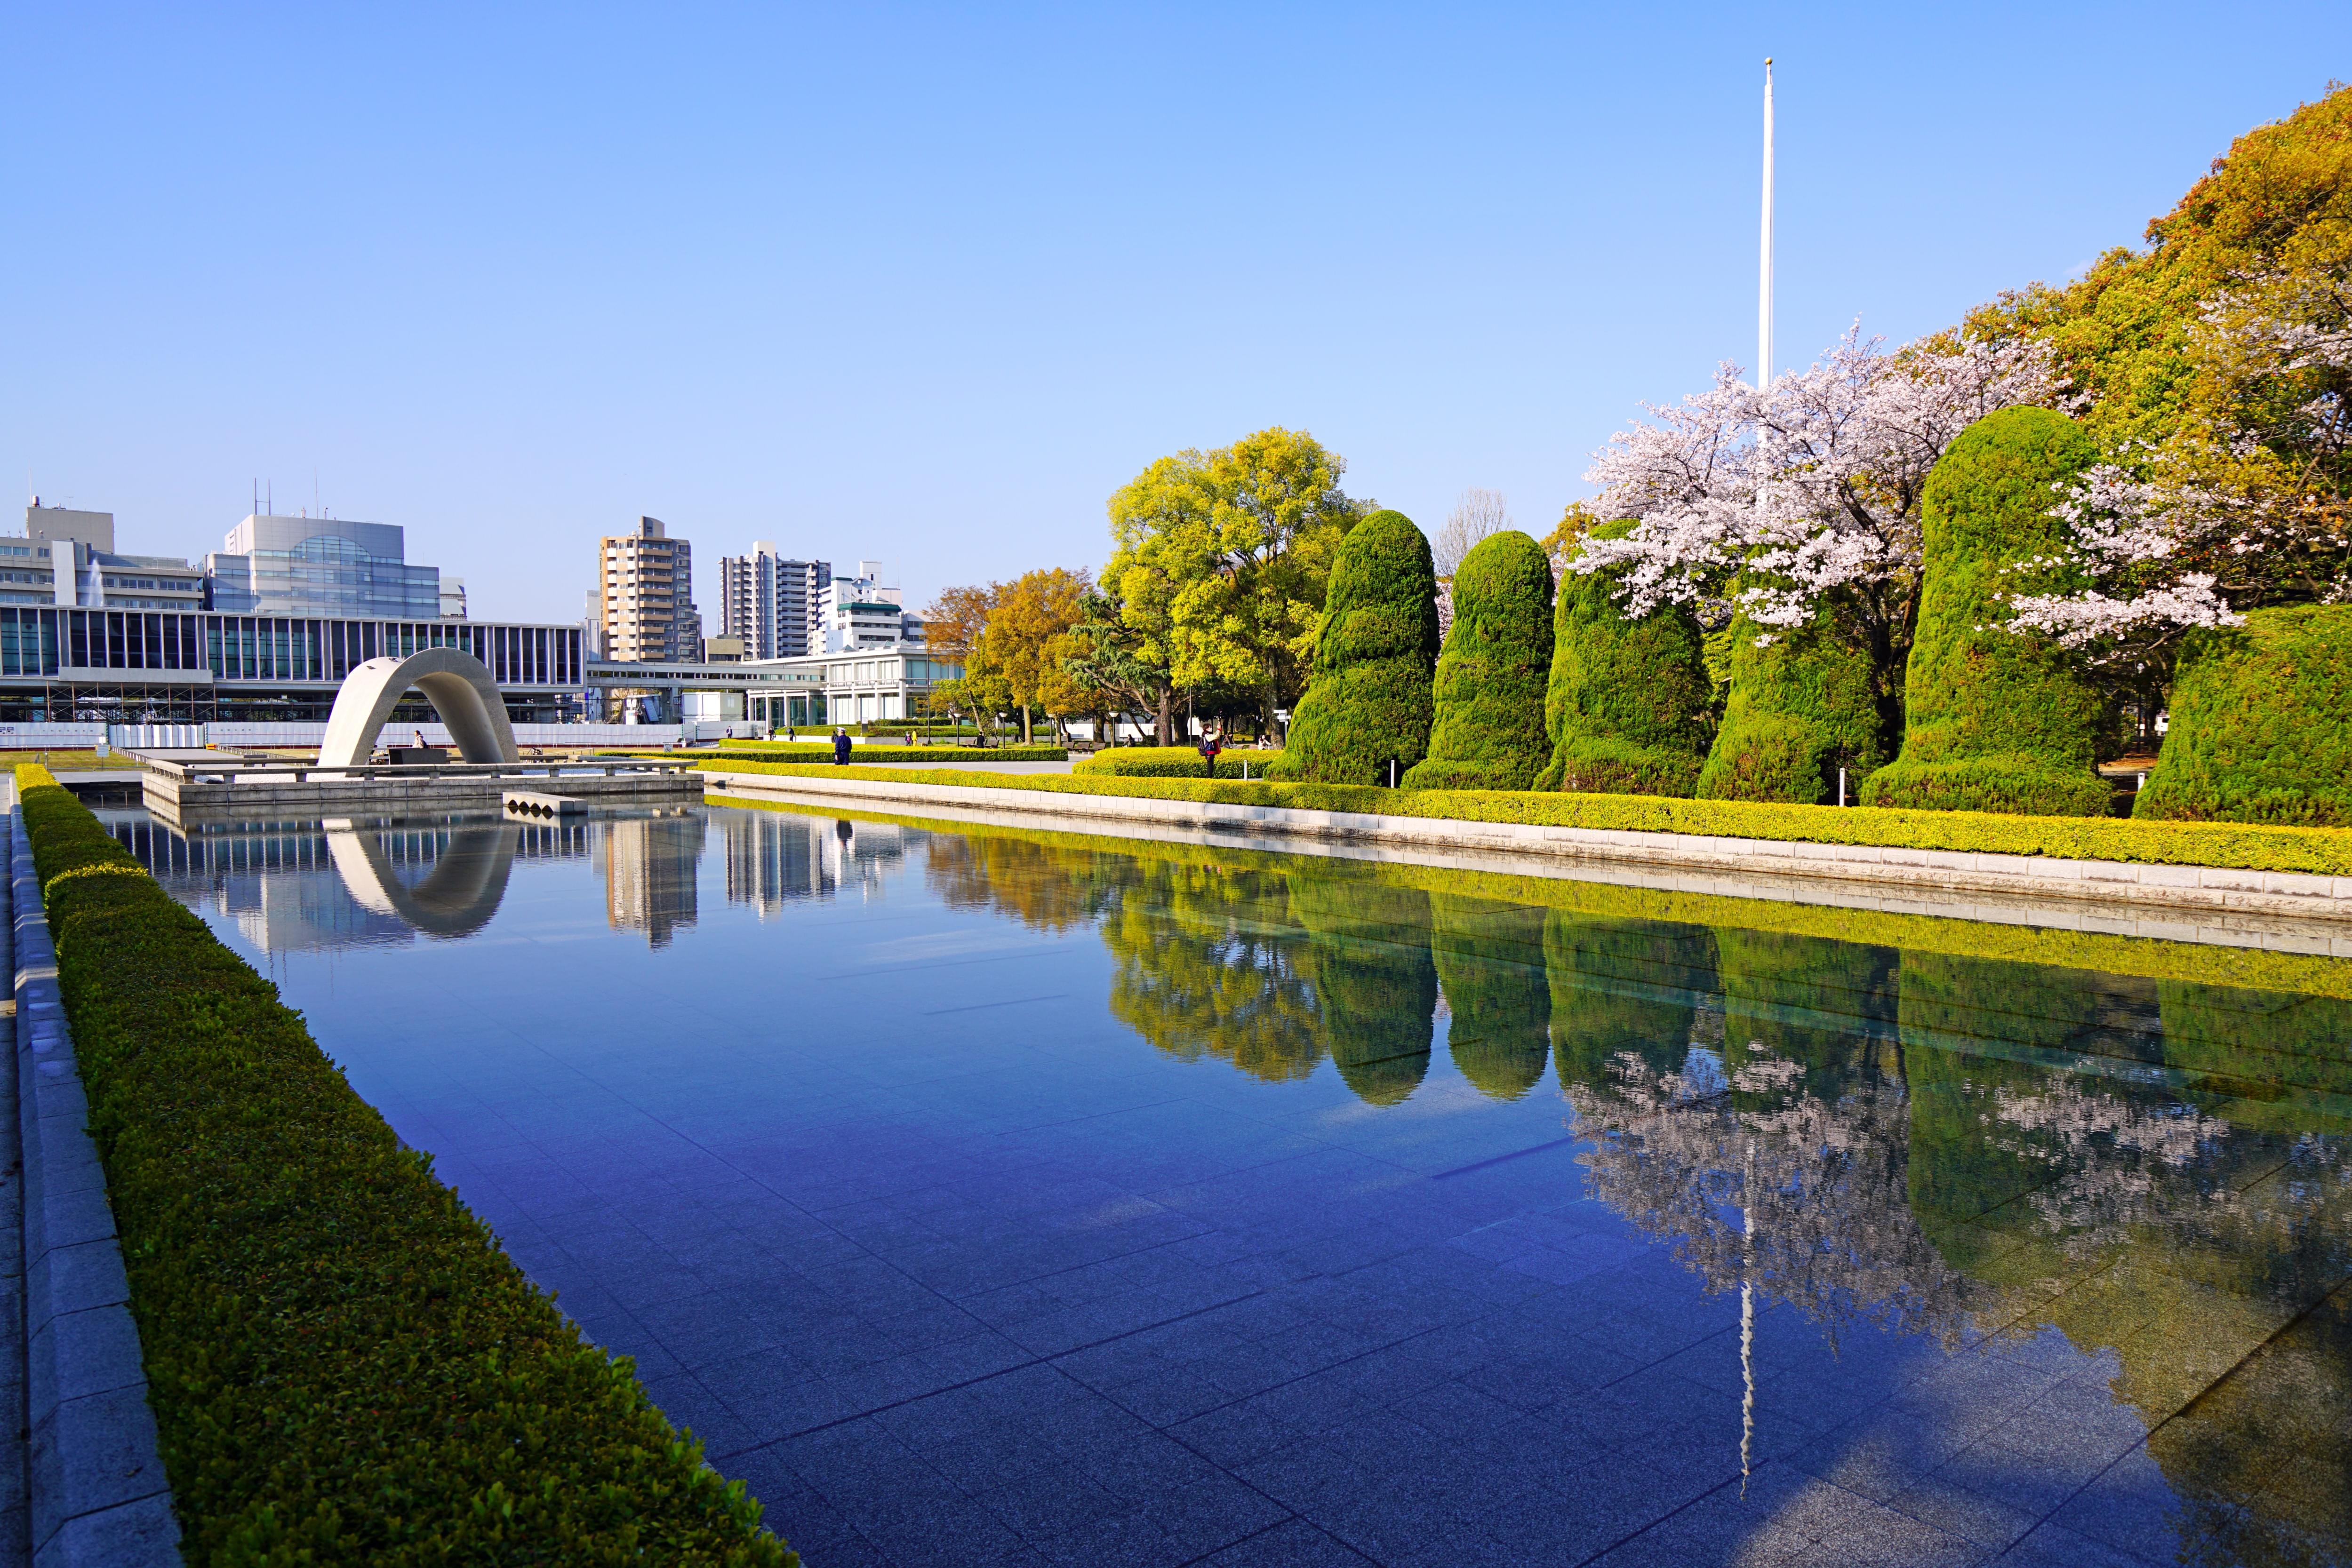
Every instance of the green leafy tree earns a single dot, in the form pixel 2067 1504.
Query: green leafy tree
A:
pixel 1120 665
pixel 1995 720
pixel 1488 732
pixel 1626 707
pixel 1222 561
pixel 1371 700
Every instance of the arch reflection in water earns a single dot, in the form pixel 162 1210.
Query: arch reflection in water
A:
pixel 2151 1171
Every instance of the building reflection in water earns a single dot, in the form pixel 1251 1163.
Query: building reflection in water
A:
pixel 651 866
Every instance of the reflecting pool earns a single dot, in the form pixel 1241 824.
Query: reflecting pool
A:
pixel 988 1194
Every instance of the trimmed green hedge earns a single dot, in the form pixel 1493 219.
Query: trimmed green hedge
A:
pixel 783 750
pixel 2262 724
pixel 2326 851
pixel 1801 707
pixel 1996 721
pixel 343 1365
pixel 1489 729
pixel 1368 700
pixel 1171 762
pixel 1627 700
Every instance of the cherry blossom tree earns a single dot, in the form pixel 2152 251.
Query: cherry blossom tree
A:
pixel 1802 499
pixel 2243 505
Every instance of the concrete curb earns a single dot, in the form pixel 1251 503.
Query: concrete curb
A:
pixel 99 1492
pixel 2113 884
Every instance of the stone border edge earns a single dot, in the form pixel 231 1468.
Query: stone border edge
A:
pixel 2095 882
pixel 99 1492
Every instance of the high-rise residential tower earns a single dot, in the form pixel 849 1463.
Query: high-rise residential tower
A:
pixel 647 578
pixel 775 606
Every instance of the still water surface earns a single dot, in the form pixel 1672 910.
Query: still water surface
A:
pixel 990 1196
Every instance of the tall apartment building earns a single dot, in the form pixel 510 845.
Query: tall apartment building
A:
pixel 647 578
pixel 776 606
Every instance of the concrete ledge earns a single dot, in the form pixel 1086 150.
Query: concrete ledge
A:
pixel 98 1491
pixel 2120 891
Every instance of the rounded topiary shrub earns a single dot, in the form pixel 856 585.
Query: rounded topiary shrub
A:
pixel 2261 722
pixel 1801 706
pixel 1625 708
pixel 1489 729
pixel 1623 989
pixel 1995 720
pixel 1368 701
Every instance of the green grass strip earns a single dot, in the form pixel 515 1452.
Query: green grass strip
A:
pixel 2323 851
pixel 343 1364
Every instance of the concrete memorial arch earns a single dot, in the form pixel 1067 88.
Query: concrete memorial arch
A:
pixel 456 898
pixel 457 685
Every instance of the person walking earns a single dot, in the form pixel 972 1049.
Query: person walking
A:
pixel 1212 742
pixel 840 746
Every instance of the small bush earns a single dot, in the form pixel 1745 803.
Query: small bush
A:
pixel 1626 705
pixel 343 1365
pixel 1995 721
pixel 1368 700
pixel 1489 729
pixel 1801 707
pixel 2262 724
pixel 1171 762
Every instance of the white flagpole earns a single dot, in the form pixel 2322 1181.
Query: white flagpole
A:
pixel 1764 294
pixel 1764 273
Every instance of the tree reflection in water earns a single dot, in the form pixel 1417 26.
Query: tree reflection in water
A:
pixel 1971 1150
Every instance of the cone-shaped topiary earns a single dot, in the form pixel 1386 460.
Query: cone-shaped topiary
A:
pixel 1368 701
pixel 1995 721
pixel 1626 705
pixel 1490 964
pixel 2261 722
pixel 1801 708
pixel 1489 731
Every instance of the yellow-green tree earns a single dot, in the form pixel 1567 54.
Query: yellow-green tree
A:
pixel 1222 558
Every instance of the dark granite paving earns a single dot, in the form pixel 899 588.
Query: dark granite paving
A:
pixel 1009 1200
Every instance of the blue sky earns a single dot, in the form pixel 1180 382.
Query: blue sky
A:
pixel 924 284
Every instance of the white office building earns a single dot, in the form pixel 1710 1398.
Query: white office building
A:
pixel 859 615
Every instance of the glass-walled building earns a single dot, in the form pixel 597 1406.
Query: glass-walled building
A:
pixel 130 667
pixel 320 566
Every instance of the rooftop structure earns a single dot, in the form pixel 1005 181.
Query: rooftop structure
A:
pixel 67 557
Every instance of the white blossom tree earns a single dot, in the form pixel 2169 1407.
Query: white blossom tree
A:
pixel 1802 499
pixel 2243 505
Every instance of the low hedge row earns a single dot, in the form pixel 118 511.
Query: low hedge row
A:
pixel 1171 762
pixel 2326 851
pixel 811 752
pixel 344 1366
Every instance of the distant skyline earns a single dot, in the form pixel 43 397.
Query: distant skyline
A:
pixel 925 285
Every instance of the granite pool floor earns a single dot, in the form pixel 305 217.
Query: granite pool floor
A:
pixel 931 1250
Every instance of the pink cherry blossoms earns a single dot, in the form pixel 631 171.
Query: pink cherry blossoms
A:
pixel 1772 502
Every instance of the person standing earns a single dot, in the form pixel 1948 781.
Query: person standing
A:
pixel 840 746
pixel 1212 742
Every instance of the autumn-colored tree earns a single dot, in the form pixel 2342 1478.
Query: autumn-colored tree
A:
pixel 952 624
pixel 1017 642
pixel 1222 558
